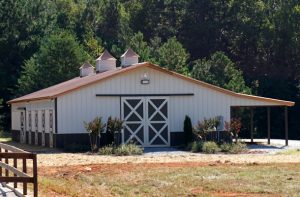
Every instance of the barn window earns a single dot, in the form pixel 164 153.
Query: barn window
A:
pixel 43 119
pixel 29 120
pixel 22 120
pixel 36 120
pixel 51 119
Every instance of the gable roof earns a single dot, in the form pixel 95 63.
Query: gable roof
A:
pixel 106 56
pixel 130 53
pixel 86 65
pixel 78 82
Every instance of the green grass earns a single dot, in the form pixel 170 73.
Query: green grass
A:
pixel 5 136
pixel 140 180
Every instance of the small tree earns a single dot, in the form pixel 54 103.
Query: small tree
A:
pixel 109 131
pixel 234 126
pixel 94 128
pixel 204 127
pixel 188 129
pixel 114 126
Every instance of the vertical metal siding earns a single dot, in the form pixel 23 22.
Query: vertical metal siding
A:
pixel 83 105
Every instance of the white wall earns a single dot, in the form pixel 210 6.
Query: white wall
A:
pixel 33 106
pixel 83 105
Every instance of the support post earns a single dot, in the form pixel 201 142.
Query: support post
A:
pixel 269 125
pixel 251 125
pixel 286 126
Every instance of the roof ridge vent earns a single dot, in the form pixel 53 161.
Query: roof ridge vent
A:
pixel 105 62
pixel 86 69
pixel 129 57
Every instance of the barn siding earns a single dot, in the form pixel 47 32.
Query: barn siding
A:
pixel 83 105
pixel 32 106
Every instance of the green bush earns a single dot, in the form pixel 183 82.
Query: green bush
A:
pixel 233 147
pixel 188 130
pixel 107 150
pixel 128 149
pixel 210 147
pixel 195 146
pixel 125 149
pixel 73 148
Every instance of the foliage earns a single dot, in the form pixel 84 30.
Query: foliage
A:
pixel 114 125
pixel 233 147
pixel 259 40
pixel 173 56
pixel 234 126
pixel 219 70
pixel 57 60
pixel 210 147
pixel 122 150
pixel 195 146
pixel 107 150
pixel 94 128
pixel 188 129
pixel 202 128
pixel 129 149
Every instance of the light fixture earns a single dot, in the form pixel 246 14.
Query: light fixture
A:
pixel 145 79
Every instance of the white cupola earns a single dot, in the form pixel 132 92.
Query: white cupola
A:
pixel 105 62
pixel 129 58
pixel 86 69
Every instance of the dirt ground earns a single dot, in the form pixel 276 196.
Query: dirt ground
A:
pixel 66 159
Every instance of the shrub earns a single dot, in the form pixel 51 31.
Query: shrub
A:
pixel 203 128
pixel 210 147
pixel 188 129
pixel 114 127
pixel 125 149
pixel 233 147
pixel 107 150
pixel 196 146
pixel 73 148
pixel 234 126
pixel 128 149
pixel 94 128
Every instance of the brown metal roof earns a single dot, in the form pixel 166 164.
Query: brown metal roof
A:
pixel 76 83
pixel 106 56
pixel 130 53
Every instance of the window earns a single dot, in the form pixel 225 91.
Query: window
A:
pixel 29 120
pixel 36 120
pixel 43 119
pixel 51 119
pixel 22 120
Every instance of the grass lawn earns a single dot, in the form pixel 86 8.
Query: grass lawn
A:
pixel 173 179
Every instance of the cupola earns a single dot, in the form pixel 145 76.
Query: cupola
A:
pixel 86 69
pixel 105 62
pixel 129 58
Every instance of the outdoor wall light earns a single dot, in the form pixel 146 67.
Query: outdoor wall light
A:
pixel 145 79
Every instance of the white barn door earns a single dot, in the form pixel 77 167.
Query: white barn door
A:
pixel 145 121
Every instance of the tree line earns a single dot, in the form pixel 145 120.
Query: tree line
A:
pixel 245 46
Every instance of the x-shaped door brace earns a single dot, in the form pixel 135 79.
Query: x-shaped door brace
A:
pixel 133 110
pixel 157 109
pixel 158 133
pixel 134 134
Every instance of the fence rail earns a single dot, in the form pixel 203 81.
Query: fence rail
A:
pixel 12 174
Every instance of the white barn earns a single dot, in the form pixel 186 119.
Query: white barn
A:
pixel 151 100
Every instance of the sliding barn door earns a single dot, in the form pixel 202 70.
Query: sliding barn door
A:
pixel 134 122
pixel 146 121
pixel 158 122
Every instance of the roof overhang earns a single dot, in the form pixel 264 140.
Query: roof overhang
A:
pixel 269 101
